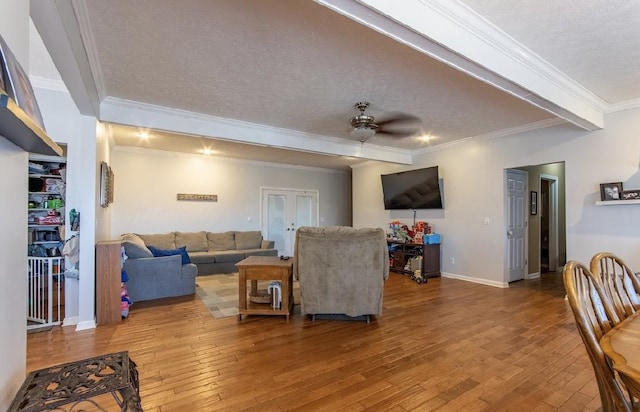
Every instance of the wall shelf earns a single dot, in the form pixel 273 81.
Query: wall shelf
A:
pixel 617 202
pixel 17 127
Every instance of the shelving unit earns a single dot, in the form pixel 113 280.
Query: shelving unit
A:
pixel 401 253
pixel 45 239
pixel 46 206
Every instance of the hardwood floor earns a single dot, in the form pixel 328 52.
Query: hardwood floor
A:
pixel 447 345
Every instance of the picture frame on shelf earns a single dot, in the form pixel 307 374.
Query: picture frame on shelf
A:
pixel 631 195
pixel 611 191
pixel 15 82
pixel 533 197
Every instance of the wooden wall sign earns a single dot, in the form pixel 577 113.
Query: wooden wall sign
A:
pixel 193 196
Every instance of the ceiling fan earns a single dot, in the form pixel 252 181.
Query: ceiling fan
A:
pixel 366 126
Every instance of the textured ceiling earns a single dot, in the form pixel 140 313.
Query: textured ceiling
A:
pixel 595 42
pixel 298 65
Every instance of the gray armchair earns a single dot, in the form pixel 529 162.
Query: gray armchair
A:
pixel 341 270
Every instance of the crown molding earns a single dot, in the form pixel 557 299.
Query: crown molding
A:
pixel 224 159
pixel 48 84
pixel 90 48
pixel 452 33
pixel 491 135
pixel 625 105
pixel 180 121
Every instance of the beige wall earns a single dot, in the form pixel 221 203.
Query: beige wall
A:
pixel 473 177
pixel 147 182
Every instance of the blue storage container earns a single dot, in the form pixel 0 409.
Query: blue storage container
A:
pixel 431 239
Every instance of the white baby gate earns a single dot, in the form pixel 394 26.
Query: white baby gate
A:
pixel 44 291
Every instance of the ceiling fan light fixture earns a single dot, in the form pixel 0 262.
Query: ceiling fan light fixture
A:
pixel 362 133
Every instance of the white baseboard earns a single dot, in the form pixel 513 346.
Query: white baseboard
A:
pixel 493 283
pixel 87 324
pixel 70 321
pixel 534 275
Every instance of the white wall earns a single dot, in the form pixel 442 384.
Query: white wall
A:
pixel 65 124
pixel 146 184
pixel 473 175
pixel 14 28
pixel 13 255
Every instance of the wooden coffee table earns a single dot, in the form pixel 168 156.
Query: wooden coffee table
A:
pixel 255 268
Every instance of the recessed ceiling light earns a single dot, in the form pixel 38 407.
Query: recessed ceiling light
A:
pixel 208 151
pixel 143 134
pixel 426 138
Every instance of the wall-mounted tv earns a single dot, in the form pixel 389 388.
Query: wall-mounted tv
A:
pixel 413 189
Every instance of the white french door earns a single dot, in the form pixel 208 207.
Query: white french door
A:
pixel 283 212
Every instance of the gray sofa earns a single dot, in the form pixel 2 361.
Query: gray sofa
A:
pixel 210 252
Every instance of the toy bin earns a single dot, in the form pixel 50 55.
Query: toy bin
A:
pixel 431 239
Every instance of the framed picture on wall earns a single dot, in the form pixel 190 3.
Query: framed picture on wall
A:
pixel 15 82
pixel 106 184
pixel 611 191
pixel 631 195
pixel 533 209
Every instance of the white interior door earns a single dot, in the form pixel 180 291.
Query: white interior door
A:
pixel 283 212
pixel 516 185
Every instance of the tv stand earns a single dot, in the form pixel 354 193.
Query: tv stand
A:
pixel 401 252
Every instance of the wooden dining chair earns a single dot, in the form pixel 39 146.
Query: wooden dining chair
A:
pixel 595 315
pixel 620 283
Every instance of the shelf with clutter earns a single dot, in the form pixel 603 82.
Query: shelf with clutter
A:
pixel 414 251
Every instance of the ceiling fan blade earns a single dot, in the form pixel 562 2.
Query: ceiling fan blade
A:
pixel 398 118
pixel 398 132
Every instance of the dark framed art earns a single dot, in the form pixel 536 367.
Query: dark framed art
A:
pixel 106 184
pixel 533 209
pixel 631 195
pixel 17 85
pixel 611 191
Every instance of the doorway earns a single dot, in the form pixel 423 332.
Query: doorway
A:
pixel 283 212
pixel 545 223
pixel 548 223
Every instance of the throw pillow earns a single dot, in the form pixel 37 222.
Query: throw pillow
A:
pixel 134 246
pixel 182 251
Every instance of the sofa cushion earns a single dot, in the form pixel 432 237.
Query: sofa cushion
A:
pixel 221 241
pixel 182 251
pixel 134 246
pixel 226 256
pixel 193 241
pixel 202 257
pixel 248 240
pixel 160 241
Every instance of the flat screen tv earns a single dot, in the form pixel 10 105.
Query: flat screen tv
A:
pixel 413 189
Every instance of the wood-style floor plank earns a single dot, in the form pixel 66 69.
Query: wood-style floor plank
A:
pixel 447 345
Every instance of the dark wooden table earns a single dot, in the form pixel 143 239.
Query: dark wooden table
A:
pixel 76 382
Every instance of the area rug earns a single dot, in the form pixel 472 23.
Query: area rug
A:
pixel 219 293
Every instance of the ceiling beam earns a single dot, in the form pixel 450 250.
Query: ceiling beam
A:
pixel 452 33
pixel 153 117
pixel 58 27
